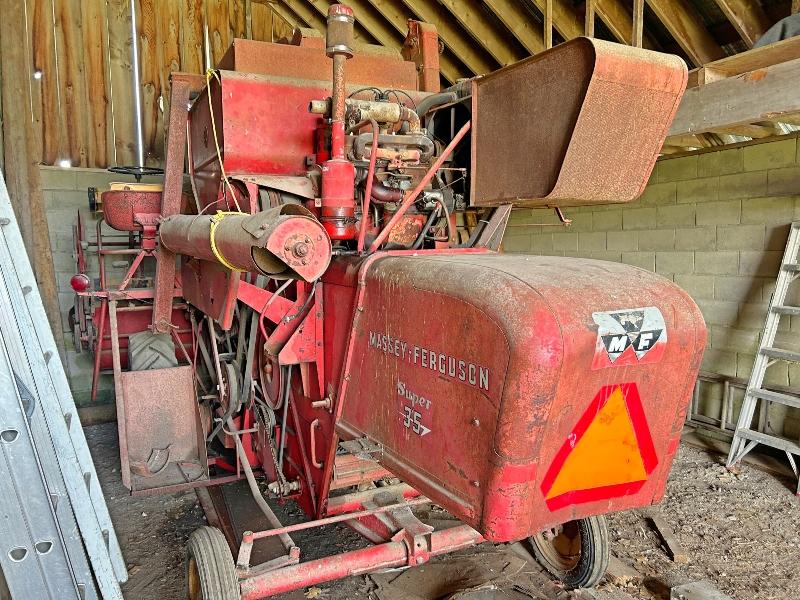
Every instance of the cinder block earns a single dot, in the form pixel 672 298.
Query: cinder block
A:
pixel 768 210
pixel 719 361
pixel 677 169
pixel 517 240
pixel 643 260
pixel 738 340
pixel 657 239
pixel 696 238
pixel 752 315
pixel 776 237
pixel 565 242
pixel 776 374
pixel 705 189
pixel 592 242
pixel 717 263
pixel 783 182
pixel 607 220
pixel 581 221
pixel 542 243
pixel 787 340
pixel 743 185
pixel 697 286
pixel 738 289
pixel 622 241
pixel 679 215
pixel 674 262
pixel 639 218
pixel 659 194
pixel 720 162
pixel 769 155
pixel 607 256
pixel 741 237
pixel 724 212
pixel 764 263
pixel 718 312
pixel 56 178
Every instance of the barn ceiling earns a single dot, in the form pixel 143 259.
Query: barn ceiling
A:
pixel 480 36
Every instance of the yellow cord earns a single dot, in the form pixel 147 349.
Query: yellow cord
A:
pixel 216 220
pixel 209 74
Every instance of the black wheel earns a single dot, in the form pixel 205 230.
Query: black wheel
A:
pixel 210 572
pixel 147 350
pixel 576 552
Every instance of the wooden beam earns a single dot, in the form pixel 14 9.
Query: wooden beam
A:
pixel 287 15
pixel 304 10
pixel 470 15
pixel 686 26
pixel 548 24
pixel 452 36
pixel 637 37
pixel 621 23
pixel 22 173
pixel 747 17
pixel 565 19
pixel 386 26
pixel 518 22
pixel 744 62
pixel 588 27
pixel 768 94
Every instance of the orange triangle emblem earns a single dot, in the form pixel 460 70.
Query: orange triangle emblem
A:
pixel 608 454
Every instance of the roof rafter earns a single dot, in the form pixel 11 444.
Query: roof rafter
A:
pixel 518 21
pixel 747 17
pixel 451 70
pixel 451 35
pixel 565 19
pixel 686 26
pixel 469 14
pixel 306 14
pixel 619 22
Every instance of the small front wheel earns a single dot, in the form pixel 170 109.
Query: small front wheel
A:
pixel 210 571
pixel 576 552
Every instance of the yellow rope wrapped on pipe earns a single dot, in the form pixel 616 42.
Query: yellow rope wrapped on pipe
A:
pixel 216 220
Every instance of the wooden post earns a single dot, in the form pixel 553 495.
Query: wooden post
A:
pixel 795 6
pixel 589 26
pixel 548 24
pixel 638 23
pixel 21 172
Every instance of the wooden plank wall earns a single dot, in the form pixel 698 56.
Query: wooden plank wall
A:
pixel 82 75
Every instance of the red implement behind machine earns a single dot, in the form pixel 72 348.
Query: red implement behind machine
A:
pixel 326 315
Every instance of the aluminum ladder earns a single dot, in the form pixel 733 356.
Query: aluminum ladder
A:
pixel 745 438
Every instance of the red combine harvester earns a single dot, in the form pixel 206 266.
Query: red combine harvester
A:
pixel 320 306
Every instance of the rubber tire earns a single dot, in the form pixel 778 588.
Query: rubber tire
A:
pixel 148 350
pixel 594 556
pixel 215 569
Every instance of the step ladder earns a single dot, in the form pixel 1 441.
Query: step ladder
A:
pixel 745 438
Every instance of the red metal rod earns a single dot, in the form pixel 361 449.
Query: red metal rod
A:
pixel 417 190
pixel 373 157
pixel 329 520
pixel 356 562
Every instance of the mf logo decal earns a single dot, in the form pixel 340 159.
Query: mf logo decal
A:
pixel 629 337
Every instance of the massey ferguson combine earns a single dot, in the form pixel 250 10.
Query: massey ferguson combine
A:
pixel 320 306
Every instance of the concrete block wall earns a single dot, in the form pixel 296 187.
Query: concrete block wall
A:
pixel 714 222
pixel 65 192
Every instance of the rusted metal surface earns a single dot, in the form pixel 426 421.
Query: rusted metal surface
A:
pixel 520 354
pixel 582 123
pixel 283 242
pixel 120 208
pixel 422 47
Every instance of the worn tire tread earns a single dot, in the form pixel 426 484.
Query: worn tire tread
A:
pixel 215 566
pixel 147 350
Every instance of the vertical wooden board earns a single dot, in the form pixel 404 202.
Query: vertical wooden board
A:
pixel 120 42
pixel 191 36
pixel 169 54
pixel 261 22
pixel 95 53
pixel 237 19
pixel 150 72
pixel 35 87
pixel 219 33
pixel 44 59
pixel 72 79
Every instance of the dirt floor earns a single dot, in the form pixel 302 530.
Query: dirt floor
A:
pixel 740 532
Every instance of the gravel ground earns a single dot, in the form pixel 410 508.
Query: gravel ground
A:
pixel 739 532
